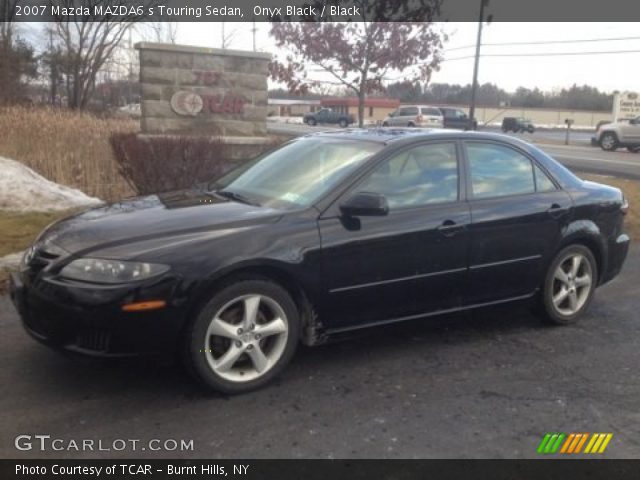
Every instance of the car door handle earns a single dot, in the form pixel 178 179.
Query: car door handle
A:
pixel 556 210
pixel 449 228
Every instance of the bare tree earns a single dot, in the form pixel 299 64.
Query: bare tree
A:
pixel 163 32
pixel 17 58
pixel 87 42
pixel 226 37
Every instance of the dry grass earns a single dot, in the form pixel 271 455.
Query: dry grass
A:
pixel 631 189
pixel 18 231
pixel 67 147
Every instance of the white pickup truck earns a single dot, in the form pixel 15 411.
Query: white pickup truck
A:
pixel 612 136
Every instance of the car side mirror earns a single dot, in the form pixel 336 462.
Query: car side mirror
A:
pixel 365 204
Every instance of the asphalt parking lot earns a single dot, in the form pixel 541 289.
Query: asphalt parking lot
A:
pixel 487 384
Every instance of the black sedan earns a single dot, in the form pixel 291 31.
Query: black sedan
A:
pixel 329 233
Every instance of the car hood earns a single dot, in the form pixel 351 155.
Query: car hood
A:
pixel 153 217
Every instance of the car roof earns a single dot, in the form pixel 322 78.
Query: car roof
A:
pixel 388 135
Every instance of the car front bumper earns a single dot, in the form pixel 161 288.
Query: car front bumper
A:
pixel 89 319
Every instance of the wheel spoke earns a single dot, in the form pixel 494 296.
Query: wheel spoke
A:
pixel 251 305
pixel 561 275
pixel 220 328
pixel 260 361
pixel 274 327
pixel 559 297
pixel 576 261
pixel 573 300
pixel 226 361
pixel 583 281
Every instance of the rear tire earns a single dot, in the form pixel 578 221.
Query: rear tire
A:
pixel 312 122
pixel 569 285
pixel 385 124
pixel 343 123
pixel 634 149
pixel 243 337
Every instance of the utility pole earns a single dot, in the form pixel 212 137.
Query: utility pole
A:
pixel 474 85
pixel 253 31
pixel 130 79
pixel 53 66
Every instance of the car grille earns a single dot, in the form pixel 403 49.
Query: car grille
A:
pixel 96 340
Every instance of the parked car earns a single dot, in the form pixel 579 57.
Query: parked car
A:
pixel 415 116
pixel 330 233
pixel 517 124
pixel 611 136
pixel 458 119
pixel 328 116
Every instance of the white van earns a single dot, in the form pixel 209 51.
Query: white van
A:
pixel 415 116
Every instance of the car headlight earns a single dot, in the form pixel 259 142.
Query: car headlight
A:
pixel 98 270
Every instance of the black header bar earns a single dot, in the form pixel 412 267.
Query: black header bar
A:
pixel 583 469
pixel 319 10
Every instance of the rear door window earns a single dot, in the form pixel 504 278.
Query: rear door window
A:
pixel 498 171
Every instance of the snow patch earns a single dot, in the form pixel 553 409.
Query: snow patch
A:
pixel 23 190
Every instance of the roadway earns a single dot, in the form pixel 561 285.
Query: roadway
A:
pixel 487 384
pixel 579 156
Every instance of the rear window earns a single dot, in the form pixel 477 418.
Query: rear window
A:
pixel 434 112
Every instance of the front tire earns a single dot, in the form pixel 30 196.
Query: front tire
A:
pixel 634 149
pixel 243 337
pixel 569 285
pixel 343 123
pixel 609 141
pixel 312 122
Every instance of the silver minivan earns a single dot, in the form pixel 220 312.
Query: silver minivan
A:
pixel 415 116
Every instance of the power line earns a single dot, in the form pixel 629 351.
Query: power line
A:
pixel 544 42
pixel 548 54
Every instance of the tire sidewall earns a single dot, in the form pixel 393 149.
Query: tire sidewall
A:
pixel 195 337
pixel 547 294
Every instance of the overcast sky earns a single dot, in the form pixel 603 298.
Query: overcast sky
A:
pixel 608 72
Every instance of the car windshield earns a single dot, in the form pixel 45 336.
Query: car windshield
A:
pixel 297 174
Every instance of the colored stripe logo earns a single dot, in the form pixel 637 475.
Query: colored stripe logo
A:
pixel 573 443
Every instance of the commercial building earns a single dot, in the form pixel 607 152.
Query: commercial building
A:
pixel 375 109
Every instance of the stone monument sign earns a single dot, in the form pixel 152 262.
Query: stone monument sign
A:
pixel 203 91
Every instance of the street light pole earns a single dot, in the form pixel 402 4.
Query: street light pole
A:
pixel 474 85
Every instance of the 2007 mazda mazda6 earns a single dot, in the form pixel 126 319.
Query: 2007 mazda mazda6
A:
pixel 329 233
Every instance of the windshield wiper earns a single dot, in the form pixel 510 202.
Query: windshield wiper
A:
pixel 238 197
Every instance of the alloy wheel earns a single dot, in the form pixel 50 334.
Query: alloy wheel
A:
pixel 608 141
pixel 246 338
pixel 572 284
